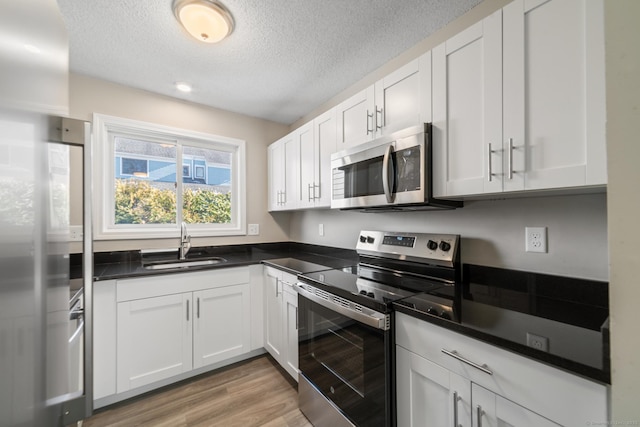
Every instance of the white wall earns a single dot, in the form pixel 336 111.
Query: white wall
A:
pixel 493 232
pixel 623 155
pixel 89 95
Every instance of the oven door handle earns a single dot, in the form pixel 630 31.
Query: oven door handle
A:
pixel 363 314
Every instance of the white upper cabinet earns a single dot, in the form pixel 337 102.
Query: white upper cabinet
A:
pixel 554 93
pixel 399 100
pixel 403 98
pixel 300 165
pixel 315 160
pixel 284 173
pixel 467 111
pixel 355 119
pixel 519 101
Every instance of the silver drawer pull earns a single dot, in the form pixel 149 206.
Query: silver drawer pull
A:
pixel 484 368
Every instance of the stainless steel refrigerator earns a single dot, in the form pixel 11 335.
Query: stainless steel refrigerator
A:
pixel 45 217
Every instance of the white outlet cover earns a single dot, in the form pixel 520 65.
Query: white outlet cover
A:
pixel 254 229
pixel 536 239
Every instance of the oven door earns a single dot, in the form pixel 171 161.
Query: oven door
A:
pixel 347 361
pixel 387 171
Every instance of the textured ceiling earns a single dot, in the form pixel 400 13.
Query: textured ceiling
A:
pixel 284 58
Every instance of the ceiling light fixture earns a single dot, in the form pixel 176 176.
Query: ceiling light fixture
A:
pixel 206 20
pixel 183 87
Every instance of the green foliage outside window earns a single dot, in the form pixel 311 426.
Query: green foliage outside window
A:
pixel 138 202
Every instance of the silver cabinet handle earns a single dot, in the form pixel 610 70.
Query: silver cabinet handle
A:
pixel 379 111
pixel 187 310
pixel 484 368
pixel 369 116
pixel 296 318
pixel 309 192
pixel 314 191
pixel 277 281
pixel 490 176
pixel 479 414
pixel 456 399
pixel 198 307
pixel 510 159
pixel 387 171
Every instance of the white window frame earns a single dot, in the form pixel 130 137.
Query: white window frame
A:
pixel 105 126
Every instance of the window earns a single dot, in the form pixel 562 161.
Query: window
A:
pixel 134 167
pixel 140 194
pixel 199 172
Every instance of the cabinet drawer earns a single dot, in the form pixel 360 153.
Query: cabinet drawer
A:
pixel 550 392
pixel 165 284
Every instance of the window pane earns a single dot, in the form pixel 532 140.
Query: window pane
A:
pixel 145 182
pixel 206 188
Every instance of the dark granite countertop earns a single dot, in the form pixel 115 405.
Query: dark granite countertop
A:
pixel 500 306
pixel 128 264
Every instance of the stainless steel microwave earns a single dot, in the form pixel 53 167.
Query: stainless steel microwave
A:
pixel 393 172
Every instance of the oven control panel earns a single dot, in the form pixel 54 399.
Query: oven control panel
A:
pixel 440 249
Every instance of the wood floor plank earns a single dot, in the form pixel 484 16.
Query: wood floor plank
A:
pixel 252 393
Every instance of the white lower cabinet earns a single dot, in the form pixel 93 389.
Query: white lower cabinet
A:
pixel 221 324
pixel 436 389
pixel 491 409
pixel 290 325
pixel 430 395
pixel 154 340
pixel 151 331
pixel 281 319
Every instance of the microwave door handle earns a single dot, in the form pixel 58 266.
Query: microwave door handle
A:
pixel 387 174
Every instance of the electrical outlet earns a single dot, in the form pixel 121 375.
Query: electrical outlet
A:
pixel 254 229
pixel 75 233
pixel 538 342
pixel 536 239
pixel 321 229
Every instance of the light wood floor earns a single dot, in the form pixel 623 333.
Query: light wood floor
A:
pixel 252 393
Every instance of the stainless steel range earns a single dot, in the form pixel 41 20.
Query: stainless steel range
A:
pixel 345 334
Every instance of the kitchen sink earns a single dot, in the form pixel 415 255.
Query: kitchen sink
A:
pixel 184 263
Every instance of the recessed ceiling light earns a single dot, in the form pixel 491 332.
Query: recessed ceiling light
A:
pixel 206 20
pixel 183 87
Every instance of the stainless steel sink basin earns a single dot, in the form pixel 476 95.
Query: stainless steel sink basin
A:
pixel 184 264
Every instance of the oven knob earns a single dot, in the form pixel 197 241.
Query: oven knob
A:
pixel 370 239
pixel 363 239
pixel 363 292
pixel 370 295
pixel 445 246
pixel 432 245
pixel 432 311
pixel 445 315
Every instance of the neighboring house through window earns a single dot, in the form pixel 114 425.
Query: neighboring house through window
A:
pixel 140 194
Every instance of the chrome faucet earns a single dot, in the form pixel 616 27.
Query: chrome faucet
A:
pixel 185 241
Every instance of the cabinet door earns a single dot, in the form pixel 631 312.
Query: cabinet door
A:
pixel 308 159
pixel 290 326
pixel 491 410
pixel 221 327
pixel 291 172
pixel 467 111
pixel 403 98
pixel 154 339
pixel 273 338
pixel 428 394
pixel 275 155
pixel 554 94
pixel 324 128
pixel 355 118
